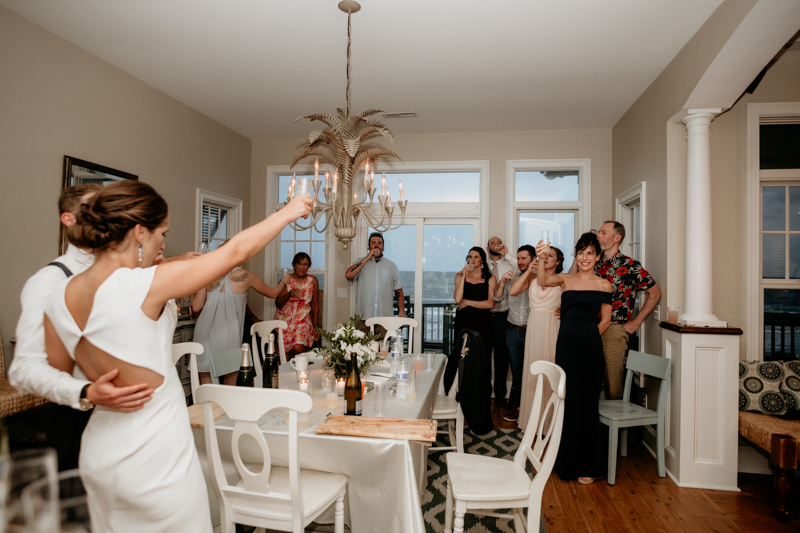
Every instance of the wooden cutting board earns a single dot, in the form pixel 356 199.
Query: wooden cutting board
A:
pixel 196 416
pixel 381 428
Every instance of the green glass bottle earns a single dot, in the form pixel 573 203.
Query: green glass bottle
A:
pixel 247 374
pixel 352 389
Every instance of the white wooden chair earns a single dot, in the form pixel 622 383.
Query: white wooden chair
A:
pixel 447 409
pixel 619 415
pixel 272 497
pixel 193 349
pixel 395 323
pixel 264 328
pixel 477 483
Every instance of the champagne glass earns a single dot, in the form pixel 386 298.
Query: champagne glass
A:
pixel 202 247
pixel 546 240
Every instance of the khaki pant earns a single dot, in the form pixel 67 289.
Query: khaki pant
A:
pixel 615 347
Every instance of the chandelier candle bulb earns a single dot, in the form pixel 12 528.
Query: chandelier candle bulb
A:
pixel 383 184
pixel 327 180
pixel 372 180
pixel 402 196
pixel 316 170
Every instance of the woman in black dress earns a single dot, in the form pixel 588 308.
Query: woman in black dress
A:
pixel 585 315
pixel 473 295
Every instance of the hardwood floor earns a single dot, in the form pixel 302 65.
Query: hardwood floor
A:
pixel 642 501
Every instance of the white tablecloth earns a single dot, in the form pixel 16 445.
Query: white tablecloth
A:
pixel 387 476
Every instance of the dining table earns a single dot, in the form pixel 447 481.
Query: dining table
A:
pixel 386 476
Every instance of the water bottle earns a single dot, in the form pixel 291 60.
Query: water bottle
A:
pixel 397 353
pixel 402 379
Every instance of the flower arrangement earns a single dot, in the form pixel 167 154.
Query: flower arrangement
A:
pixel 344 342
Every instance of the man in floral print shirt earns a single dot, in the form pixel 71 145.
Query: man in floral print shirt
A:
pixel 627 277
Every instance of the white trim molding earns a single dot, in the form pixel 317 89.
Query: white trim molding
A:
pixel 234 206
pixel 757 114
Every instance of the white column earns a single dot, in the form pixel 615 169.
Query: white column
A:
pixel 699 295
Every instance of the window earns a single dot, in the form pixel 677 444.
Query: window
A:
pixel 773 310
pixel 631 214
pixel 548 195
pixel 219 218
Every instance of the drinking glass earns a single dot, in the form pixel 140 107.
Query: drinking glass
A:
pixel 429 360
pixel 672 315
pixel 418 362
pixel 411 386
pixel 331 395
pixel 202 247
pixel 385 347
pixel 380 398
pixel 546 240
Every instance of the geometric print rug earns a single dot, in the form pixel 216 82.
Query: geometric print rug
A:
pixel 502 443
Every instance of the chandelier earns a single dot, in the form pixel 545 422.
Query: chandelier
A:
pixel 343 144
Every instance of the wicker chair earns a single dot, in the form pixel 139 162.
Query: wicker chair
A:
pixel 12 402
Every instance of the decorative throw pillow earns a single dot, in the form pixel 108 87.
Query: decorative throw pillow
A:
pixel 760 387
pixel 791 384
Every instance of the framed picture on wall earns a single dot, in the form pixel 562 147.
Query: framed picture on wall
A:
pixel 76 172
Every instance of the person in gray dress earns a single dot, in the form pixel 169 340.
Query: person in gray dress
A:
pixel 220 325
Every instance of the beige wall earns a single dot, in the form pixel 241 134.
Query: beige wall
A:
pixel 59 100
pixel 497 148
pixel 649 146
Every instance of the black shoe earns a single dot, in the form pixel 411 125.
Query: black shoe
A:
pixel 502 402
pixel 512 416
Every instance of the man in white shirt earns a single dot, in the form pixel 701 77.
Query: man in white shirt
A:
pixel 500 262
pixel 378 282
pixel 31 373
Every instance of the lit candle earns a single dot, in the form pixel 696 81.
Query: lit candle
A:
pixel 335 180
pixel 304 386
pixel 402 196
pixel 340 385
pixel 327 180
pixel 383 184
pixel 371 179
pixel 316 170
pixel 289 192
pixel 291 186
pixel 388 198
pixel 355 197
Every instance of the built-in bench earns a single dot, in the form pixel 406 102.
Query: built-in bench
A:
pixel 781 439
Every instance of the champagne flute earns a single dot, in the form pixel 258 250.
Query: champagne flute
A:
pixel 202 247
pixel 546 240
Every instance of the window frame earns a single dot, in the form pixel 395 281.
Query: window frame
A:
pixel 582 207
pixel 758 114
pixel 233 205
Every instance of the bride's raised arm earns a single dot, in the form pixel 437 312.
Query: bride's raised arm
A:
pixel 179 278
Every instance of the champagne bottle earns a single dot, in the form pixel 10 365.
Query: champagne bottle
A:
pixel 270 365
pixel 352 389
pixel 247 375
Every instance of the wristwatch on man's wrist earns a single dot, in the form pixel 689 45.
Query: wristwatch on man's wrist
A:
pixel 83 400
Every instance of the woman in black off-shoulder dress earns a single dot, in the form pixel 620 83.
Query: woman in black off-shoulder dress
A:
pixel 585 314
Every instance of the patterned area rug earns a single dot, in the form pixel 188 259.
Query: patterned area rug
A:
pixel 501 443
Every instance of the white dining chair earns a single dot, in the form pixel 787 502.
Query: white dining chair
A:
pixel 395 323
pixel 264 328
pixel 447 409
pixel 269 496
pixel 619 415
pixel 480 483
pixel 193 349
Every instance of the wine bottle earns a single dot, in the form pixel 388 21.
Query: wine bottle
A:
pixel 270 365
pixel 247 375
pixel 352 389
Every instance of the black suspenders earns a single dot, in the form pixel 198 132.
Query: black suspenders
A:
pixel 62 266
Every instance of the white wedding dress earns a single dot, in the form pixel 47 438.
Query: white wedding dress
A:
pixel 141 469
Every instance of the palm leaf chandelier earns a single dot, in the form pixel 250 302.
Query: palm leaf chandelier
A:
pixel 347 144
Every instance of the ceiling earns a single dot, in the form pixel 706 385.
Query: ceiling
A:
pixel 461 65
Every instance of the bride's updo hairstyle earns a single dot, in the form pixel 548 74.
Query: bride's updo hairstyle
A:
pixel 588 239
pixel 105 219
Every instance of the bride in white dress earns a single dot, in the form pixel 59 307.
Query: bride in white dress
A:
pixel 140 469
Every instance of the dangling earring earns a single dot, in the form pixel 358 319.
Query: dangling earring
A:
pixel 141 250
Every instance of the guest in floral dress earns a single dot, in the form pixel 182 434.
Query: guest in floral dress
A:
pixel 298 305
